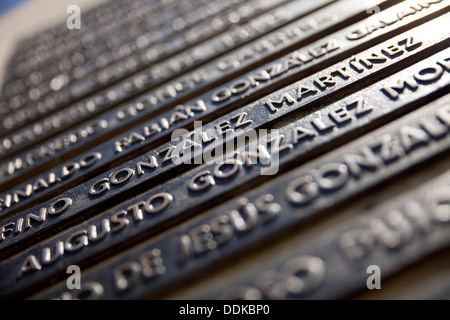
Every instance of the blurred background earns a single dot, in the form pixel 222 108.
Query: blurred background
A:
pixel 7 5
pixel 20 18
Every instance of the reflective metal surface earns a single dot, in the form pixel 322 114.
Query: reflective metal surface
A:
pixel 228 150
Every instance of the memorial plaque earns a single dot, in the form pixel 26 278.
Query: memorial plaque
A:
pixel 228 150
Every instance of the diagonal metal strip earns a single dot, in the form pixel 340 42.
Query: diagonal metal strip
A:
pixel 335 263
pixel 56 183
pixel 281 205
pixel 128 180
pixel 164 99
pixel 371 108
pixel 113 71
pixel 154 77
